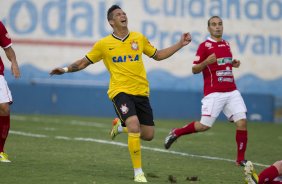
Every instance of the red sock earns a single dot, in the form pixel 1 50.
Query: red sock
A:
pixel 4 130
pixel 276 182
pixel 241 140
pixel 268 174
pixel 187 129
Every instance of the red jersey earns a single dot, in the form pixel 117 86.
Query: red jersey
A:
pixel 5 42
pixel 218 77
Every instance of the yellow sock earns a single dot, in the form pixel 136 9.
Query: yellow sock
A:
pixel 134 147
pixel 124 130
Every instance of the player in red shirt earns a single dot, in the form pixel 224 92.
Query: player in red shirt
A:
pixel 5 94
pixel 214 60
pixel 270 175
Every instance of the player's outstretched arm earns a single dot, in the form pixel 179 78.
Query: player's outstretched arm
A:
pixel 76 66
pixel 11 55
pixel 167 52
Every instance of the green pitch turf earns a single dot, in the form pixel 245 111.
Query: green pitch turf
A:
pixel 78 150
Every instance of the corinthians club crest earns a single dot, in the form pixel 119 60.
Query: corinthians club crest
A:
pixel 124 109
pixel 134 45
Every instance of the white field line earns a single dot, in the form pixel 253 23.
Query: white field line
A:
pixel 27 134
pixel 53 120
pixel 125 145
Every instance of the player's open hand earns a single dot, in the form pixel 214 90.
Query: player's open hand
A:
pixel 15 70
pixel 186 39
pixel 57 71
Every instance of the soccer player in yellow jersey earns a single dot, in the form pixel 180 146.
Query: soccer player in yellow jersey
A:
pixel 121 53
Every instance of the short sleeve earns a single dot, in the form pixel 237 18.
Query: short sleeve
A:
pixel 95 54
pixel 5 40
pixel 149 49
pixel 200 54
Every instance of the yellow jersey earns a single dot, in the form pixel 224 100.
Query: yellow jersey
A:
pixel 123 59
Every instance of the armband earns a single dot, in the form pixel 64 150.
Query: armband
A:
pixel 66 69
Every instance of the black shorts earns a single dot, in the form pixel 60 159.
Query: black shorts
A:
pixel 129 105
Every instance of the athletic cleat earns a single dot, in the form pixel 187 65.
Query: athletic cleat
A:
pixel 250 175
pixel 140 178
pixel 4 157
pixel 114 132
pixel 170 139
pixel 241 163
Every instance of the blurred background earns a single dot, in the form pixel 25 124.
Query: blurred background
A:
pixel 51 33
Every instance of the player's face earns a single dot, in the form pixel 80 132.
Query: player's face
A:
pixel 119 18
pixel 216 27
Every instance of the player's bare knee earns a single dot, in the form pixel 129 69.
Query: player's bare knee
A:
pixel 147 137
pixel 132 126
pixel 147 134
pixel 241 124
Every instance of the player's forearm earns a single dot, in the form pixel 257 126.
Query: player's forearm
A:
pixel 11 55
pixel 78 65
pixel 167 52
pixel 198 67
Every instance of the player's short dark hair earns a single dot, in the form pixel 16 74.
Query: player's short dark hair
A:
pixel 110 11
pixel 215 16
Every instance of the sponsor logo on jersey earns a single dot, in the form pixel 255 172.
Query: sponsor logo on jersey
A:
pixel 223 61
pixel 222 45
pixel 225 79
pixel 125 58
pixel 221 73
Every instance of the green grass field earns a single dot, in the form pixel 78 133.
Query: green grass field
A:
pixel 78 150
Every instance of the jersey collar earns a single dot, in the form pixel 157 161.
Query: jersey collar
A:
pixel 121 39
pixel 212 40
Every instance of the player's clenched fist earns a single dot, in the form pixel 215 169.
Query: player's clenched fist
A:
pixel 186 39
pixel 210 59
pixel 236 63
